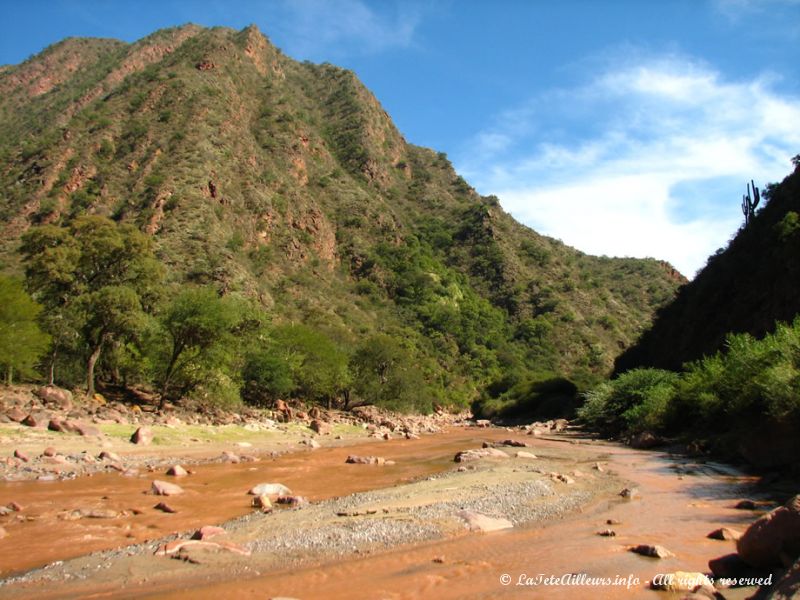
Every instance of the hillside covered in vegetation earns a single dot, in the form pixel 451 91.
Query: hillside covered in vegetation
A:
pixel 721 365
pixel 744 288
pixel 198 214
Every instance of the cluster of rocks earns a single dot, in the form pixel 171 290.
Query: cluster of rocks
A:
pixel 546 427
pixel 767 554
pixel 768 547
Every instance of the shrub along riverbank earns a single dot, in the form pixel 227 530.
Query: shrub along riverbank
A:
pixel 744 400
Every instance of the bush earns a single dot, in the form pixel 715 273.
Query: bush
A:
pixel 751 382
pixel 635 401
pixel 266 377
pixel 532 397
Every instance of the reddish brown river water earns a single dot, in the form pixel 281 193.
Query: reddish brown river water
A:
pixel 674 511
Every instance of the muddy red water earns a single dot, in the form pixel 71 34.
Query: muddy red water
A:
pixel 213 494
pixel 676 511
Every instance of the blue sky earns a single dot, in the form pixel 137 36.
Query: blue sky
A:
pixel 622 127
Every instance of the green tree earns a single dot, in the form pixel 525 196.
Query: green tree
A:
pixel 22 342
pixel 199 327
pixel 266 376
pixel 319 366
pixel 385 374
pixel 100 275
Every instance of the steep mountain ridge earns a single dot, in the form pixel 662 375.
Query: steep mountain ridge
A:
pixel 289 183
pixel 745 288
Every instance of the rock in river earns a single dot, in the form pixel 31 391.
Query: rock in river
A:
pixel 164 488
pixel 725 533
pixel 479 453
pixel 270 489
pixel 774 539
pixel 177 471
pixel 652 551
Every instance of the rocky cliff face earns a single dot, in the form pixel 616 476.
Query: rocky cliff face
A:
pixel 288 182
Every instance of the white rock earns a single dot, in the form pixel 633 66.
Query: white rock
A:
pixel 270 489
pixel 479 522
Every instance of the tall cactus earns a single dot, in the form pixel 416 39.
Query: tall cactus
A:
pixel 749 203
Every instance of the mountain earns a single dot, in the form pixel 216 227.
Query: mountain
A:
pixel 288 183
pixel 745 288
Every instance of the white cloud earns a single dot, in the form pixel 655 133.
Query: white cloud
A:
pixel 604 166
pixel 325 28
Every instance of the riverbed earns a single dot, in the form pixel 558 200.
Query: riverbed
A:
pixel 555 553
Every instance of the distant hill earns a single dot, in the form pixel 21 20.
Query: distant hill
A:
pixel 745 288
pixel 287 182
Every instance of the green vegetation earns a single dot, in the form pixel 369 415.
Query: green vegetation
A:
pixel 22 342
pixel 98 276
pixel 744 288
pixel 297 232
pixel 195 344
pixel 752 383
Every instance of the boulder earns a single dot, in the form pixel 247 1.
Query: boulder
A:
pixel 270 489
pixel 143 436
pixel 57 425
pixel 514 443
pixel 21 455
pixel 774 539
pixel 16 414
pixel 606 533
pixel 746 505
pixel 731 566
pixel 164 488
pixel 480 522
pixel 629 493
pixel 33 421
pixel 112 456
pixel 562 478
pixel 177 471
pixel 228 456
pixel 651 551
pixel 55 396
pixel 321 427
pixel 478 454
pixel 725 533
pixel 523 454
pixel 84 429
pixel 49 452
pixel 3 533
pixel 164 507
pixel 365 460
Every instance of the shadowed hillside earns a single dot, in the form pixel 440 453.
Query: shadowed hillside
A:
pixel 745 288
